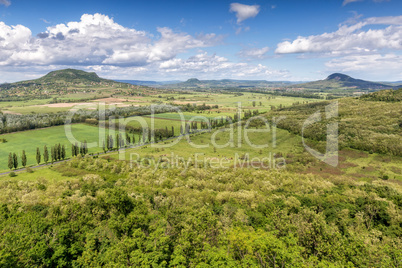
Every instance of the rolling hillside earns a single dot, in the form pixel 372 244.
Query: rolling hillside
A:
pixel 66 81
pixel 341 81
pixel 65 76
pixel 194 83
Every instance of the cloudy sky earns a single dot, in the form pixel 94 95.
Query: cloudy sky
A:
pixel 296 40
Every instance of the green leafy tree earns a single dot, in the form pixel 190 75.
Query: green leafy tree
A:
pixel 55 152
pixel 52 154
pixel 58 152
pixel 84 146
pixel 23 159
pixel 110 142
pixel 45 154
pixel 10 161
pixel 128 139
pixel 15 160
pixel 63 152
pixel 38 156
pixel 121 140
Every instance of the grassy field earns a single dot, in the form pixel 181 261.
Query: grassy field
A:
pixel 287 153
pixel 30 140
pixel 287 150
pixel 353 163
pixel 216 144
pixel 227 103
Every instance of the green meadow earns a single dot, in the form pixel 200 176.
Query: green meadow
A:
pixel 228 103
pixel 30 140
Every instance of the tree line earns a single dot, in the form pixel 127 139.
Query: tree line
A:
pixel 15 122
pixel 145 135
pixel 57 153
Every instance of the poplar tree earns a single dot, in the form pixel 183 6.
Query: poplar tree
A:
pixel 45 154
pixel 15 160
pixel 58 152
pixel 149 135
pixel 52 154
pixel 38 156
pixel 128 139
pixel 121 141
pixel 10 161
pixel 23 159
pixel 63 152
pixel 110 142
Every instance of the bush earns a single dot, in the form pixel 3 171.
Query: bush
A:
pixel 29 170
pixel 12 174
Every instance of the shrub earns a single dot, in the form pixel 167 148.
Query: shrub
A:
pixel 12 174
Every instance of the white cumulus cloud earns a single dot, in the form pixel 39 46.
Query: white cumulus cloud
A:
pixel 254 53
pixel 95 39
pixel 345 2
pixel 350 39
pixel 375 66
pixel 206 66
pixel 201 65
pixel 244 12
pixel 5 2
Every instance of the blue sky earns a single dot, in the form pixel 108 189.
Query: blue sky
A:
pixel 295 40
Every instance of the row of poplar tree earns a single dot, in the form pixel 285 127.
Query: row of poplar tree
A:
pixel 57 152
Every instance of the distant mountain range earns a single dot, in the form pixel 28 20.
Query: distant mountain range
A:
pixel 59 79
pixel 333 82
pixel 397 83
pixel 194 83
pixel 65 76
pixel 343 81
pixel 148 83
pixel 71 76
